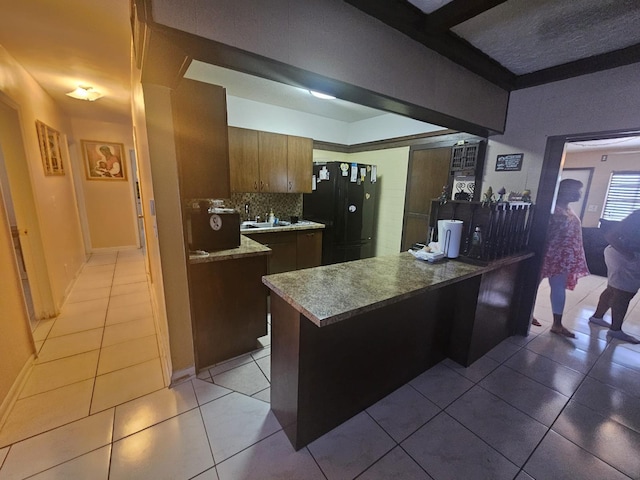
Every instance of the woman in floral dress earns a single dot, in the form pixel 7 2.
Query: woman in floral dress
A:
pixel 564 261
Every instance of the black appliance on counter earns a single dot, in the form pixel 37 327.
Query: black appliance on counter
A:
pixel 211 229
pixel 344 200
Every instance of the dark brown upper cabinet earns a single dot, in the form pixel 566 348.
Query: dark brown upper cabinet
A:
pixel 202 145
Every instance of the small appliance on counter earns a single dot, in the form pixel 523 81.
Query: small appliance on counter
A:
pixel 212 228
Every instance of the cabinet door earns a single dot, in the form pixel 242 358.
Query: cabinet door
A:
pixel 243 160
pixel 272 149
pixel 200 126
pixel 223 326
pixel 299 164
pixel 309 251
pixel 283 247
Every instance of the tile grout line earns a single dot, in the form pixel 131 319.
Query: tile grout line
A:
pixel 93 390
pixel 550 428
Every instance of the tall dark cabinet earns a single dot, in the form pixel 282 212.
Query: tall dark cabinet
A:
pixel 467 164
pixel 202 144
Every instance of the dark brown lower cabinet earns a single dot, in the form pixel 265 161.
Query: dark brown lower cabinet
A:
pixel 291 250
pixel 229 307
pixel 309 249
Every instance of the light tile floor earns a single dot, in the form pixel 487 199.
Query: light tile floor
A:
pixel 541 406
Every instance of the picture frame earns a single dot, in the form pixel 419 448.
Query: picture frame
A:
pixel 510 162
pixel 104 160
pixel 50 151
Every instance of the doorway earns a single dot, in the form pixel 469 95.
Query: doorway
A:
pixel 137 197
pixel 5 191
pixel 428 172
pixel 552 164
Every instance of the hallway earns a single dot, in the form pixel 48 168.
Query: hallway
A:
pixel 543 407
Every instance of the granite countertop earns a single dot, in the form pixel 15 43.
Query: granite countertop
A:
pixel 302 225
pixel 332 293
pixel 247 248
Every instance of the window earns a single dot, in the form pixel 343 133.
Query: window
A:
pixel 623 195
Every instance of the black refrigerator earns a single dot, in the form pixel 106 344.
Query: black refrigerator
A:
pixel 344 199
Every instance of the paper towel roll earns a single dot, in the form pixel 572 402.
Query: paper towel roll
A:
pixel 451 237
pixel 441 235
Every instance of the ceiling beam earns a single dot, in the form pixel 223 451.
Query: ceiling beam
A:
pixel 408 19
pixel 584 66
pixel 459 11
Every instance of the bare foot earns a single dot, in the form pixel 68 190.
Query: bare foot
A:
pixel 563 331
pixel 535 323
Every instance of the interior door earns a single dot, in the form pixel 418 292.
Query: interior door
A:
pixel 428 173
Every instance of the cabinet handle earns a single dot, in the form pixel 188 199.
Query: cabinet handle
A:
pixel 255 185
pixel 290 186
pixel 310 234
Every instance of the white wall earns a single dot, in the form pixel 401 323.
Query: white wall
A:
pixel 603 101
pixel 260 116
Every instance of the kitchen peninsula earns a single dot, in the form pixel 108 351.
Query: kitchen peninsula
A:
pixel 346 335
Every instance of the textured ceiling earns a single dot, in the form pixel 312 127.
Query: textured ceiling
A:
pixel 519 43
pixel 66 43
pixel 530 35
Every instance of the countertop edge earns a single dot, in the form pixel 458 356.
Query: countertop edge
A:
pixel 481 269
pixel 287 228
pixel 247 248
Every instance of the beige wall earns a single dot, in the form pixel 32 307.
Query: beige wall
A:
pixel 392 165
pixel 109 205
pixel 45 205
pixel 45 208
pixel 600 181
pixel 392 184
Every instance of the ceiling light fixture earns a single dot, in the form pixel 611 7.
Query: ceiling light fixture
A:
pixel 324 96
pixel 85 93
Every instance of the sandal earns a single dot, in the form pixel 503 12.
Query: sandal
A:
pixel 564 331
pixel 535 323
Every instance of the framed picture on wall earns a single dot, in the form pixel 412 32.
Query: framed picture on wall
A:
pixel 49 142
pixel 103 160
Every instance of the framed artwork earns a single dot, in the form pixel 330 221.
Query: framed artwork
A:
pixel 103 160
pixel 49 141
pixel 512 162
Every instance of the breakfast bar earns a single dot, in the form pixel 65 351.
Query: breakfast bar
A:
pixel 346 335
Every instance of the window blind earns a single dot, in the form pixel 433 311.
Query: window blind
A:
pixel 623 195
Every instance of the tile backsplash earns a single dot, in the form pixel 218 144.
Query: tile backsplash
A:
pixel 284 205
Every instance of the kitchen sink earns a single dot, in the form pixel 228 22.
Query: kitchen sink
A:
pixel 255 225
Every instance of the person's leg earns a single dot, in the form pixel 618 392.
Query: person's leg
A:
pixel 558 284
pixel 624 282
pixel 604 303
pixel 619 306
pixel 534 321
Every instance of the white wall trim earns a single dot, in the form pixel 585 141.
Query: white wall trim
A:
pixel 114 249
pixel 181 376
pixel 12 396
